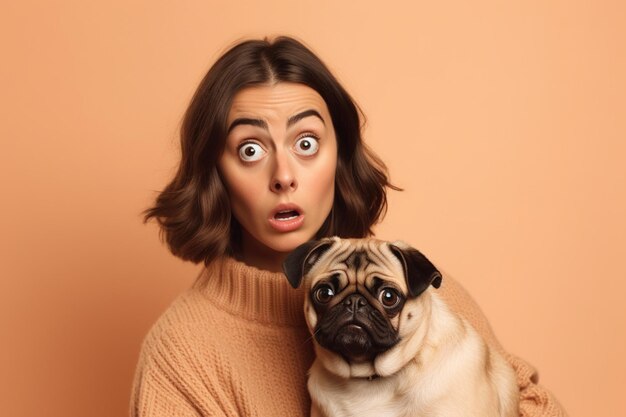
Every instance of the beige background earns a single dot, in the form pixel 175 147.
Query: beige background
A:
pixel 504 122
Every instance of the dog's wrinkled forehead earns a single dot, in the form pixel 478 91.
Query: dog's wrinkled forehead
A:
pixel 358 259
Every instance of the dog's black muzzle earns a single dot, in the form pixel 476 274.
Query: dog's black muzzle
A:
pixel 355 329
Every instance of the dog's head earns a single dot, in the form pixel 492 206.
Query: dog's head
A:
pixel 365 301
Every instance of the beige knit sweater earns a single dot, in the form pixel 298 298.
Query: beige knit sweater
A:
pixel 236 344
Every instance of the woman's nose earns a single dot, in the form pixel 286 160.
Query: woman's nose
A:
pixel 283 178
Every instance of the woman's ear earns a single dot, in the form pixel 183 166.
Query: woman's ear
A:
pixel 302 259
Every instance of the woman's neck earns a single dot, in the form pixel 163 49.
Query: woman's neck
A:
pixel 251 293
pixel 258 261
pixel 256 254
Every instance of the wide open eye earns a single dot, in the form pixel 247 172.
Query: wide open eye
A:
pixel 389 297
pixel 324 293
pixel 307 145
pixel 251 151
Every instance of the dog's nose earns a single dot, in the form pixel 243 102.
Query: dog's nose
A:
pixel 354 302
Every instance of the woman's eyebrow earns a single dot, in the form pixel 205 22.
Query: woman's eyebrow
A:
pixel 296 118
pixel 246 121
pixel 263 124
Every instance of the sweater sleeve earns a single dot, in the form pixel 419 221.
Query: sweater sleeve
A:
pixel 155 395
pixel 535 400
pixel 165 382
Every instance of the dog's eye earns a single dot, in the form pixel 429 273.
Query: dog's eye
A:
pixel 324 293
pixel 389 297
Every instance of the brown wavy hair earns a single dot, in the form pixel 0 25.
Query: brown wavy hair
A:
pixel 194 211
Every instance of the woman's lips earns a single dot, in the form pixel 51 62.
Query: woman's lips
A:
pixel 286 218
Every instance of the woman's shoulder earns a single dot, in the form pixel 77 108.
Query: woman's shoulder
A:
pixel 227 299
pixel 183 319
pixel 195 309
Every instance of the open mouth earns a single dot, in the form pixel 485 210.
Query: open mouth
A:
pixel 286 215
pixel 287 218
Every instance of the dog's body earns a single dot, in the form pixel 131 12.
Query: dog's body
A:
pixel 386 343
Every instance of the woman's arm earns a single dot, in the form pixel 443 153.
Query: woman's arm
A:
pixel 155 394
pixel 535 400
pixel 168 382
pixel 157 389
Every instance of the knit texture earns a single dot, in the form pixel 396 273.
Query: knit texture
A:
pixel 236 344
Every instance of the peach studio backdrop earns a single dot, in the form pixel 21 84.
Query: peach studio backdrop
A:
pixel 504 121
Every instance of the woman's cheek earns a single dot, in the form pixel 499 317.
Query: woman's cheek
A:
pixel 323 184
pixel 247 197
pixel 244 187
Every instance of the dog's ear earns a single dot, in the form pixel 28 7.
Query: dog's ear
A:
pixel 302 259
pixel 418 270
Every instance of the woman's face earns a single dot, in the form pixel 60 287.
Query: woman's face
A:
pixel 278 166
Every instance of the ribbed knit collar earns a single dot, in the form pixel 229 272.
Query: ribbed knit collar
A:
pixel 252 293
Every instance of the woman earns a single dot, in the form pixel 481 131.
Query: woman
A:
pixel 271 157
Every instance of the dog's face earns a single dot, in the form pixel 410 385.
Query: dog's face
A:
pixel 365 304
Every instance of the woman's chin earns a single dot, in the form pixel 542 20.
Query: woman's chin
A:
pixel 268 249
pixel 284 244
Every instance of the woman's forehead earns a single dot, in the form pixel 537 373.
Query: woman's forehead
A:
pixel 277 101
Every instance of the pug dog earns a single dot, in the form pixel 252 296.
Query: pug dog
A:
pixel 386 344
